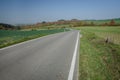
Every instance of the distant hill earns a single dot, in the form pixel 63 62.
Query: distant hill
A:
pixel 105 22
pixel 117 21
pixel 70 23
pixel 6 26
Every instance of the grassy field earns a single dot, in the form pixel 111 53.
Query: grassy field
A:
pixel 110 33
pixel 9 37
pixel 99 60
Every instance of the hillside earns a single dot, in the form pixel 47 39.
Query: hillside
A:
pixel 63 24
pixel 117 21
pixel 6 26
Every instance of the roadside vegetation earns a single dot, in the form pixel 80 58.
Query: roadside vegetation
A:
pixel 99 55
pixel 9 37
pixel 99 45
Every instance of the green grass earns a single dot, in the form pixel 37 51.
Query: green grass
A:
pixel 9 37
pixel 112 33
pixel 98 60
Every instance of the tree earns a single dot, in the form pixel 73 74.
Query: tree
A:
pixel 18 28
pixel 92 23
pixel 44 22
pixel 105 24
pixel 61 20
pixel 112 23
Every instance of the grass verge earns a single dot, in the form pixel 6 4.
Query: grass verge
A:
pixel 98 60
pixel 9 37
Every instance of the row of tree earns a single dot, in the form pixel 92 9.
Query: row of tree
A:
pixel 93 23
pixel 71 23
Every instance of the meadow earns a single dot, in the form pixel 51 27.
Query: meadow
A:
pixel 110 33
pixel 99 60
pixel 9 37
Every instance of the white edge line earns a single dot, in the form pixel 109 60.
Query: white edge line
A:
pixel 19 44
pixel 25 42
pixel 71 72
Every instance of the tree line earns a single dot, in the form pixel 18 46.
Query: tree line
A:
pixel 71 23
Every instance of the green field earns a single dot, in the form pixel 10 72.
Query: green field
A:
pixel 99 60
pixel 9 37
pixel 110 33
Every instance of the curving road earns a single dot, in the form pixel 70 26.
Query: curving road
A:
pixel 52 57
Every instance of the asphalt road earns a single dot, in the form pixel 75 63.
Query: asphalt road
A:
pixel 46 58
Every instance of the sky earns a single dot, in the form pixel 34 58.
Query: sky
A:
pixel 33 11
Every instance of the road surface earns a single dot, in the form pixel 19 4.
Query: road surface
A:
pixel 52 57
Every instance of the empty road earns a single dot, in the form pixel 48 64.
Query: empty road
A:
pixel 52 57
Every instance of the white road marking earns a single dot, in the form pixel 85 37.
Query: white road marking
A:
pixel 26 41
pixel 18 44
pixel 71 73
pixel 23 42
